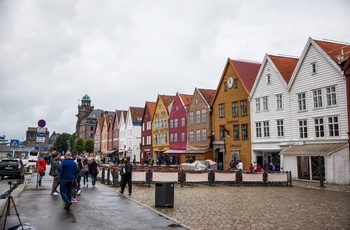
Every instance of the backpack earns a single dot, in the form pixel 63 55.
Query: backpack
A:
pixel 86 168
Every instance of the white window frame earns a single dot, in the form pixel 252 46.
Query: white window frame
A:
pixel 279 101
pixel 303 130
pixel 331 95
pixel 317 98
pixel 319 127
pixel 301 101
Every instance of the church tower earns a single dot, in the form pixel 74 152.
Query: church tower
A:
pixel 84 110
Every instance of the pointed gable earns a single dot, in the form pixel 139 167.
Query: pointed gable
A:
pixel 207 94
pixel 336 51
pixel 284 65
pixel 136 115
pixel 247 71
pixel 186 100
pixel 166 99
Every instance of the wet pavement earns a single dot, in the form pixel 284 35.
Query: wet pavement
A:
pixel 304 206
pixel 99 208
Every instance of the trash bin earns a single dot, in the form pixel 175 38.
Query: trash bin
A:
pixel 164 194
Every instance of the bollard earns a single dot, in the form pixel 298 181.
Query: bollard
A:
pixel 211 177
pixel 265 178
pixel 114 177
pixel 239 177
pixel 182 177
pixel 103 175
pixel 149 177
pixel 108 175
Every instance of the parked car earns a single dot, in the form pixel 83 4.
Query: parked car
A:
pixel 11 167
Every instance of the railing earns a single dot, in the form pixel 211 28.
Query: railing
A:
pixel 152 174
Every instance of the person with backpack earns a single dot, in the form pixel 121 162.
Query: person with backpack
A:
pixel 55 173
pixel 126 173
pixel 86 173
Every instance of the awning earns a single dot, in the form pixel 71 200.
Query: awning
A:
pixel 175 151
pixel 110 152
pixel 313 149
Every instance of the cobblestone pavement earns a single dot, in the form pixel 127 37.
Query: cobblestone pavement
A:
pixel 303 206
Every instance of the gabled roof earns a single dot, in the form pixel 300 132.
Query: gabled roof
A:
pixel 186 99
pixel 329 50
pixel 247 71
pixel 207 94
pixel 151 106
pixel 166 99
pixel 335 50
pixel 96 113
pixel 118 114
pixel 284 65
pixel 136 113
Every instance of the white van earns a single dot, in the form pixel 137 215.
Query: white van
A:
pixel 33 156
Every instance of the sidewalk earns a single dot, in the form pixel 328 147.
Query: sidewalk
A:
pixel 99 208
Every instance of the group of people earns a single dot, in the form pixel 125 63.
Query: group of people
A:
pixel 67 174
pixel 266 167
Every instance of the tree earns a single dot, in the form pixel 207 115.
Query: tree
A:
pixel 89 146
pixel 63 142
pixel 79 145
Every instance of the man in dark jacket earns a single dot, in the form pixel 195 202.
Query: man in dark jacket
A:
pixel 126 178
pixel 67 178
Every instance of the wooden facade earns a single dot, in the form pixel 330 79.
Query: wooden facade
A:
pixel 231 113
pixel 146 131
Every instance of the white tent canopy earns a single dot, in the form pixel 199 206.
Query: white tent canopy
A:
pixel 196 166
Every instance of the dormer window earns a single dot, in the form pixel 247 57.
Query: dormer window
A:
pixel 314 68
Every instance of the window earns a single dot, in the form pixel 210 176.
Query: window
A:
pixel 301 101
pixel 314 68
pixel 182 137
pixel 319 127
pixel 204 115
pixel 222 135
pixel 198 117
pixel 175 123
pixel 191 136
pixel 235 109
pixel 268 79
pixel 258 129
pixel 279 101
pixel 244 111
pixel 331 96
pixel 171 123
pixel 198 135
pixel 265 104
pixel 204 135
pixel 257 104
pixel 183 121
pixel 280 129
pixel 236 132
pixel 333 126
pixel 235 83
pixel 225 86
pixel 266 129
pixel 191 118
pixel 196 101
pixel 303 128
pixel 221 110
pixel 244 132
pixel 317 96
pixel 171 137
pixel 175 137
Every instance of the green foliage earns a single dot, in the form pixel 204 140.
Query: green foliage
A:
pixel 79 145
pixel 89 146
pixel 63 141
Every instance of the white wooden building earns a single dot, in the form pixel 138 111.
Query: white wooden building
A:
pixel 318 115
pixel 270 109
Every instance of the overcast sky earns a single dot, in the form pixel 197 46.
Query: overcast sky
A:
pixel 123 53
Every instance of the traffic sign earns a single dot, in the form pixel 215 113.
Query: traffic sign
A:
pixel 40 134
pixel 14 143
pixel 41 123
pixel 41 130
pixel 40 139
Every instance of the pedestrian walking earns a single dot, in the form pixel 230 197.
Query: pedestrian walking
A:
pixel 126 174
pixel 67 178
pixel 86 173
pixel 93 169
pixel 41 166
pixel 80 174
pixel 55 173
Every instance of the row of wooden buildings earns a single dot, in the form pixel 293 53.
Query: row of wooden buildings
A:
pixel 291 111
